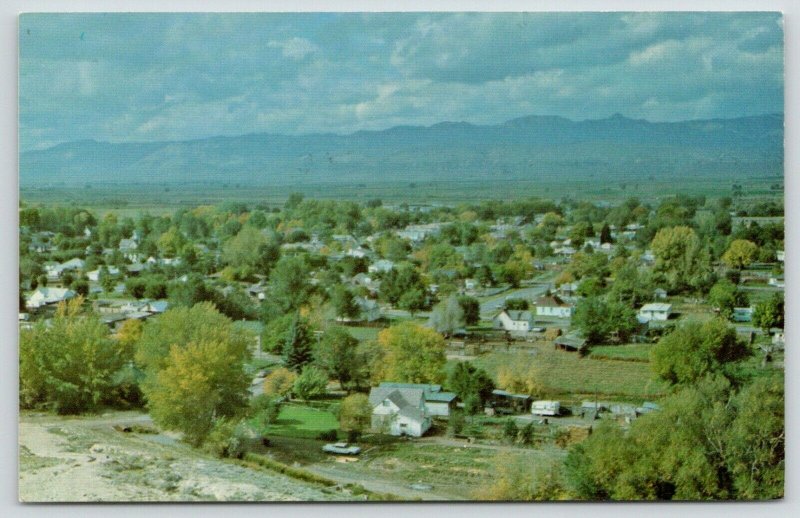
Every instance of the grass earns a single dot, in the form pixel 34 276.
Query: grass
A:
pixel 567 373
pixel 302 421
pixel 629 352
pixel 364 334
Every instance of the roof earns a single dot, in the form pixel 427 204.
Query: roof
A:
pixel 503 393
pixel 571 341
pixel 551 301
pixel 407 400
pixel 657 306
pixel 517 315
pixel 443 397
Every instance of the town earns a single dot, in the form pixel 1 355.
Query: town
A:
pixel 473 350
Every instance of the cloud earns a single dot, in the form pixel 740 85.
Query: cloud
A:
pixel 181 76
pixel 294 48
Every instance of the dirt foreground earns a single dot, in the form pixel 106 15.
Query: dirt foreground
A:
pixel 92 459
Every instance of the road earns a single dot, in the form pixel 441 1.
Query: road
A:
pixel 492 306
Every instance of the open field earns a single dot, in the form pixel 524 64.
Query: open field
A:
pixel 630 352
pixel 567 373
pixel 129 199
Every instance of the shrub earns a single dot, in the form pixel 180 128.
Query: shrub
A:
pixel 330 435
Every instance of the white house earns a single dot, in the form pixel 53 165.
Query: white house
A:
pixel 654 311
pixel 94 275
pixel 382 265
pixel 780 255
pixel 514 321
pixel 543 407
pixel 552 306
pixel 399 411
pixel 44 296
pixel 660 294
pixel 437 403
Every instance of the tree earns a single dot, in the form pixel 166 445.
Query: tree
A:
pixel 338 353
pixel 769 313
pixel 297 350
pixel 311 382
pixel 605 234
pixel 515 304
pixel 707 442
pixel 521 377
pixel 447 316
pixel 193 359
pixel 355 414
pixel 599 320
pixel 467 382
pixel 413 354
pixel 288 283
pixel 171 242
pixel 69 364
pixel 677 253
pixel 399 281
pixel 275 333
pixel 725 296
pixel 412 301
pixel 279 382
pixel 344 303
pixel 740 254
pixel 696 349
pixel 471 308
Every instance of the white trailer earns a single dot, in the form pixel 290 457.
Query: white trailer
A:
pixel 545 408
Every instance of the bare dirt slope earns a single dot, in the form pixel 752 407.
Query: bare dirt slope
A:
pixel 88 459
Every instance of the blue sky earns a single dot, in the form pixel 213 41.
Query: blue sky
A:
pixel 145 77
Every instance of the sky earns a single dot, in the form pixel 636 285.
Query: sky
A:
pixel 151 77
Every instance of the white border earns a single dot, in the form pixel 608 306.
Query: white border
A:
pixel 9 9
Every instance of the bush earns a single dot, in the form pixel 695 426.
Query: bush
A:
pixel 223 441
pixel 510 429
pixel 279 382
pixel 330 435
pixel 456 423
pixel 312 382
pixel 266 409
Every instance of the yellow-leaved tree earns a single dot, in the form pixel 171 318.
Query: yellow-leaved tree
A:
pixel 193 359
pixel 412 354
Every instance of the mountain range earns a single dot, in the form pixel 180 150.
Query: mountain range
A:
pixel 524 148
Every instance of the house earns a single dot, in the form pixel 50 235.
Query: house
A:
pixel 94 275
pixel 780 255
pixel 399 411
pixel 659 311
pixel 129 248
pixel 514 321
pixel 44 296
pixel 470 284
pixel 506 402
pixel 552 306
pixel 778 338
pixel 659 294
pixel 777 281
pixel 571 342
pixel 55 271
pixel 648 257
pixel 742 314
pixel 568 289
pixel 437 403
pixel 380 266
pixel 543 407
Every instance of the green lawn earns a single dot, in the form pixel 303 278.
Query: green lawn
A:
pixel 302 421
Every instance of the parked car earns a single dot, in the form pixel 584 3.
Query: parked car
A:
pixel 341 448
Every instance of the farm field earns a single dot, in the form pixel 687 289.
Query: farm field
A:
pixel 566 373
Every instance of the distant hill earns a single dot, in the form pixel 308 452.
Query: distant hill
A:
pixel 528 147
